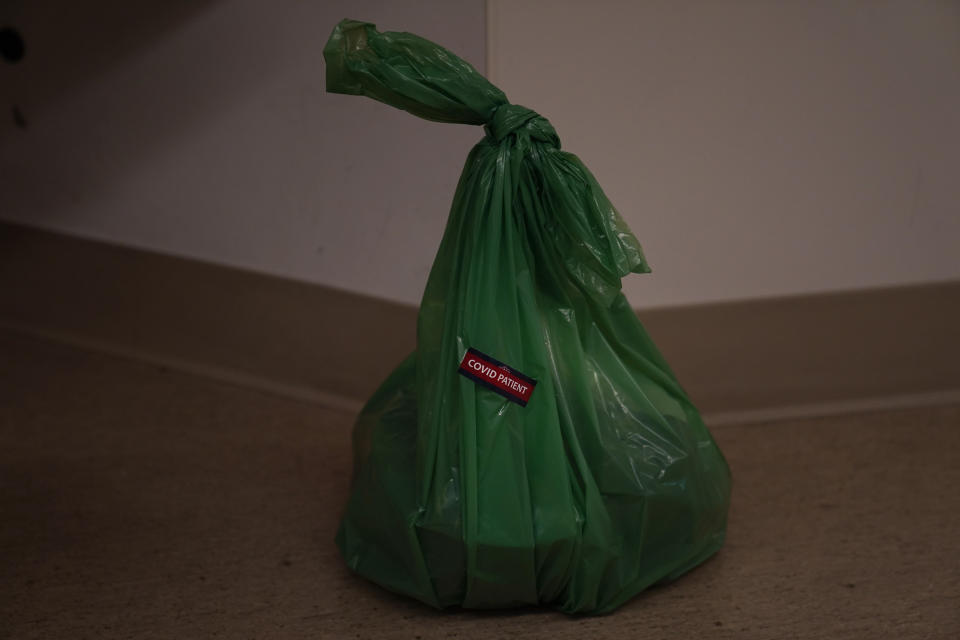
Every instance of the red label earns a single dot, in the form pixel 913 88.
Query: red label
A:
pixel 497 377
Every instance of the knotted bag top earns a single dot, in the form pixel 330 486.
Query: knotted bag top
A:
pixel 411 73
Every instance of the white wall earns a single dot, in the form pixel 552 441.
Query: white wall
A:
pixel 203 129
pixel 755 148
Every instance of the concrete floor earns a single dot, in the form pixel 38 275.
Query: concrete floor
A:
pixel 141 502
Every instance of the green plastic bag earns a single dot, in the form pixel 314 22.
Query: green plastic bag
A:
pixel 535 448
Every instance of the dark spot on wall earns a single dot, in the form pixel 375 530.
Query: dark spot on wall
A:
pixel 18 118
pixel 11 45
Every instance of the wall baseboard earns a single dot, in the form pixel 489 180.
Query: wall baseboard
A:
pixel 745 361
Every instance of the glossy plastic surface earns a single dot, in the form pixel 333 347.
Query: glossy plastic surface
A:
pixel 607 481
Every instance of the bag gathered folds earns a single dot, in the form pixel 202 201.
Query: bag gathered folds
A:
pixel 535 448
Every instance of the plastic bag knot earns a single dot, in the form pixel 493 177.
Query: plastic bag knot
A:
pixel 514 118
